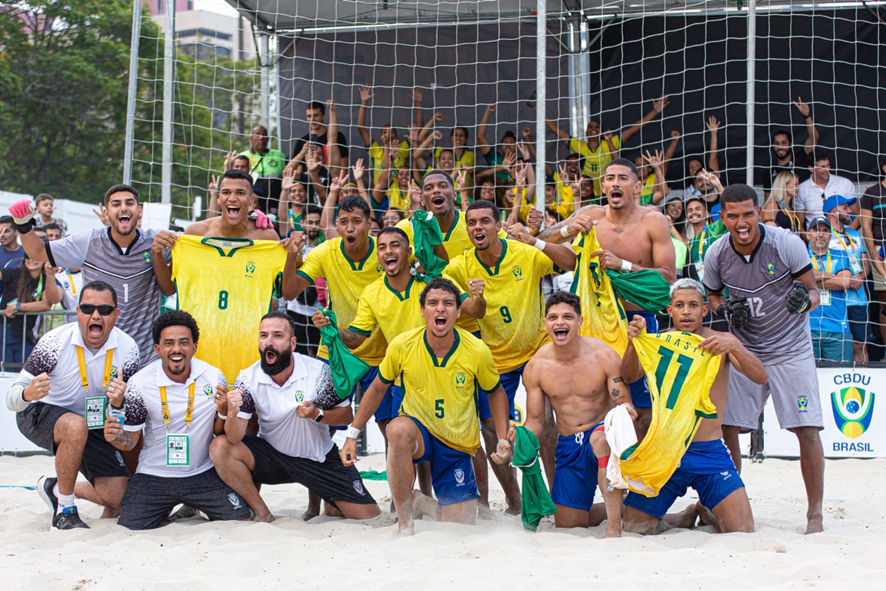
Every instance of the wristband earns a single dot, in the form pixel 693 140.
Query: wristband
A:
pixel 353 432
pixel 564 231
pixel 222 417
pixel 626 266
pixel 540 244
pixel 26 227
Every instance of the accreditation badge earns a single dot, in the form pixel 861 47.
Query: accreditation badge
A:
pixel 854 264
pixel 178 450
pixel 824 297
pixel 95 412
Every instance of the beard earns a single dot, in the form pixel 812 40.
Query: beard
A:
pixel 281 362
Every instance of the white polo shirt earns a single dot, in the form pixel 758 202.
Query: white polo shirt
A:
pixel 276 406
pixel 810 197
pixel 56 355
pixel 144 411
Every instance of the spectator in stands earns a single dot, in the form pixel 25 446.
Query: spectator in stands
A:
pixel 654 186
pixel 848 241
pixel 315 113
pixel 53 231
pixel 293 200
pixel 266 167
pixel 10 250
pixel 821 185
pixel 599 147
pixel 389 141
pixel 707 187
pixel 392 217
pixel 873 228
pixel 778 209
pixel 70 281
pixel 302 307
pixel 831 339
pixel 495 159
pixel 694 164
pixel 28 287
pixel 784 155
pixel 45 208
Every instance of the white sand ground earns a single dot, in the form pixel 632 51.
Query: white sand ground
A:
pixel 329 553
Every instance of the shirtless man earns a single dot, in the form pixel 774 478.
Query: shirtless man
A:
pixel 582 378
pixel 633 238
pixel 706 466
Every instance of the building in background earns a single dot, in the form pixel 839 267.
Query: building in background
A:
pixel 206 29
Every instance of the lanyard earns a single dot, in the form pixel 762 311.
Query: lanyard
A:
pixel 840 238
pixel 71 281
pixel 252 166
pixel 84 381
pixel 795 221
pixel 701 244
pixel 39 291
pixel 815 262
pixel 164 403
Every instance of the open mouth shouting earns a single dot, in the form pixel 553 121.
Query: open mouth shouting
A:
pixel 351 240
pixel 271 356
pixel 95 328
pixel 390 263
pixel 743 235
pixel 124 221
pixel 616 196
pixel 232 210
pixel 560 334
pixel 440 321
pixel 480 239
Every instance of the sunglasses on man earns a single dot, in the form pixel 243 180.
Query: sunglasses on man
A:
pixel 89 309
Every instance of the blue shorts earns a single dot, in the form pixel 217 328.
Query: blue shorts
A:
pixel 452 471
pixel 510 382
pixel 707 467
pixel 390 404
pixel 640 396
pixel 483 396
pixel 575 480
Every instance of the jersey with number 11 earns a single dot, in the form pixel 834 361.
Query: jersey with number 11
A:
pixel 226 284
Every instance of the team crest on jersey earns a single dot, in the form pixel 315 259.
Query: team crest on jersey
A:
pixel 770 267
pixel 518 272
pixel 802 403
pixel 147 257
pixel 250 268
pixel 459 476
pixel 299 396
pixel 378 268
pixel 358 486
pixel 113 372
pixel 207 389
pixel 460 379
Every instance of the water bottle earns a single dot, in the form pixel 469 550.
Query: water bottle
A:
pixel 117 413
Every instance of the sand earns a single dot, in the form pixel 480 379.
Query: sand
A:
pixel 335 554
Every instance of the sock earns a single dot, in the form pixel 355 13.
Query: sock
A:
pixel 64 501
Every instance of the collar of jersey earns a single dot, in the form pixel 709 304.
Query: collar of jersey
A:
pixel 424 337
pixel 299 371
pixel 750 260
pixel 138 235
pixel 452 227
pixel 504 252
pixel 241 243
pixel 400 296
pixel 357 265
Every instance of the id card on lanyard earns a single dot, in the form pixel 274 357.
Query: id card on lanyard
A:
pixel 699 266
pixel 96 406
pixel 178 445
pixel 824 294
pixel 854 263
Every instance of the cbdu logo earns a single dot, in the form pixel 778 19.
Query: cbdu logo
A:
pixel 460 379
pixel 853 409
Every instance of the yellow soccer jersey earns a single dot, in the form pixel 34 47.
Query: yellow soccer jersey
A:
pixel 513 326
pixel 648 190
pixel 346 280
pixel 565 197
pixel 397 199
pixel 680 378
pixel 595 160
pixel 226 284
pixel 604 317
pixel 377 156
pixel 442 393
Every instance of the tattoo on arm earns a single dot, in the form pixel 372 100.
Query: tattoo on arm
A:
pixel 348 336
pixel 124 440
pixel 617 380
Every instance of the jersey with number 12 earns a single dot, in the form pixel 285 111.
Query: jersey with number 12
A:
pixel 226 284
pixel 680 377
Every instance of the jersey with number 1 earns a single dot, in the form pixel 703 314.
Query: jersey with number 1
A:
pixel 226 284
pixel 680 378
pixel 513 326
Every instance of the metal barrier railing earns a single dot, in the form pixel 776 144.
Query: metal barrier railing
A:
pixel 16 366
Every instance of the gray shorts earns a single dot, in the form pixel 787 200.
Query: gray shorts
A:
pixel 149 499
pixel 794 389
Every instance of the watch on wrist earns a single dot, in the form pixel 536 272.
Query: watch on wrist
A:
pixel 319 416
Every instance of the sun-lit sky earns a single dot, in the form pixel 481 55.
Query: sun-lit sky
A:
pixel 219 6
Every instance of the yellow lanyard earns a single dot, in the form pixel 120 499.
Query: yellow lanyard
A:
pixel 71 281
pixel 164 403
pixel 701 245
pixel 795 221
pixel 815 263
pixel 252 166
pixel 840 238
pixel 84 380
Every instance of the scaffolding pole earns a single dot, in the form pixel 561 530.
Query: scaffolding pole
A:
pixel 541 102
pixel 168 95
pixel 264 63
pixel 133 91
pixel 752 78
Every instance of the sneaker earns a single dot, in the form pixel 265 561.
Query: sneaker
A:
pixel 45 485
pixel 68 519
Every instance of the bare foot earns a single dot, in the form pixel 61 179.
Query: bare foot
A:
pixel 686 518
pixel 512 510
pixel 310 514
pixel 405 531
pixel 613 531
pixel 705 517
pixel 268 518
pixel 330 510
pixel 814 523
pixel 110 513
pixel 484 513
pixel 422 505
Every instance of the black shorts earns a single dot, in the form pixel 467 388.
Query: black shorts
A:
pixel 858 324
pixel 100 458
pixel 307 336
pixel 331 480
pixel 149 499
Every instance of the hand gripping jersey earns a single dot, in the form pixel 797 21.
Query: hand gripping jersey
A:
pixel 226 284
pixel 442 393
pixel 604 317
pixel 680 378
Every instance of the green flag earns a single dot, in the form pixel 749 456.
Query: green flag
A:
pixel 646 288
pixel 536 501
pixel 347 369
pixel 426 235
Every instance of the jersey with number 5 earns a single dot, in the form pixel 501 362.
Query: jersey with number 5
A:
pixel 513 326
pixel 680 376
pixel 226 284
pixel 765 278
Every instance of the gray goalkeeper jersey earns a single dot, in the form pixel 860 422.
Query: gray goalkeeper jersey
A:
pixel 130 273
pixel 765 278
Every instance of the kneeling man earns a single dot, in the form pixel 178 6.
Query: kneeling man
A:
pixel 171 400
pixel 442 368
pixel 706 466
pixel 294 398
